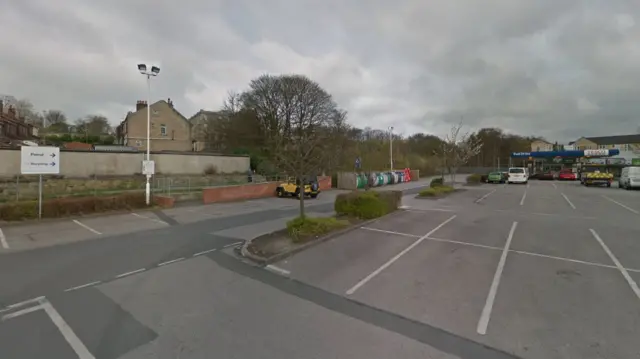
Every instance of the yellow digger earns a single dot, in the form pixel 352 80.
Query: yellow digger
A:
pixel 292 188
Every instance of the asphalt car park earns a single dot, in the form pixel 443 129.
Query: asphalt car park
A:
pixel 544 270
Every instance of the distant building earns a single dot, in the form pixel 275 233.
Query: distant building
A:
pixel 13 129
pixel 622 143
pixel 202 130
pixel 541 145
pixel 170 130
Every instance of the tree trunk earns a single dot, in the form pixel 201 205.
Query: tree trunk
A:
pixel 302 215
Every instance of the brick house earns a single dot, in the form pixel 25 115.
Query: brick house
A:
pixel 170 130
pixel 14 130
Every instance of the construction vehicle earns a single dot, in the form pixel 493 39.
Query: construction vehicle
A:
pixel 597 178
pixel 292 188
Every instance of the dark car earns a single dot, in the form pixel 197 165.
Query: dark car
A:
pixel 546 176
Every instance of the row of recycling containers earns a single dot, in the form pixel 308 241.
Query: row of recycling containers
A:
pixel 377 179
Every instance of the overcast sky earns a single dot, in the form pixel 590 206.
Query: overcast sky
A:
pixel 555 68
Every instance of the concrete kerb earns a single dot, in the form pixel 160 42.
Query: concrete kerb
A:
pixel 244 251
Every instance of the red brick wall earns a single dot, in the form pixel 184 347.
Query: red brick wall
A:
pixel 324 182
pixel 239 193
pixel 164 201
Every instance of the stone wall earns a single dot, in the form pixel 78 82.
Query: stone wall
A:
pixel 81 164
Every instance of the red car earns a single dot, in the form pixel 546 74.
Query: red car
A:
pixel 567 176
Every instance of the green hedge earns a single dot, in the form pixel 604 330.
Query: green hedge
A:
pixel 367 204
pixel 436 191
pixel 436 182
pixel 72 206
pixel 300 229
pixel 474 178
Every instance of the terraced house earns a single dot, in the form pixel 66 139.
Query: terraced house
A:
pixel 13 129
pixel 170 130
pixel 622 142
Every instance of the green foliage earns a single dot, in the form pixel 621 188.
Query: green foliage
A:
pixel 368 204
pixel 436 182
pixel 436 191
pixel 474 178
pixel 302 228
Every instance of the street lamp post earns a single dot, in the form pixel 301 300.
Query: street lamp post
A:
pixel 147 167
pixel 391 147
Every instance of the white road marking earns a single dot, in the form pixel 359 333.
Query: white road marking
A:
pixel 390 232
pixel 232 245
pixel 524 195
pixel 150 219
pixel 24 302
pixel 464 243
pixel 543 214
pixel 278 270
pixel 171 261
pixel 3 240
pixel 568 201
pixel 625 273
pixel 397 256
pixel 418 210
pixel 488 307
pixel 485 196
pixel 85 226
pixel 130 273
pixel 528 184
pixel 21 312
pixel 82 286
pixel 621 205
pixel 554 185
pixel 67 332
pixel 204 252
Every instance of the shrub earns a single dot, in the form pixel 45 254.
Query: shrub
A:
pixel 439 181
pixel 436 191
pixel 474 178
pixel 367 205
pixel 210 170
pixel 71 206
pixel 300 228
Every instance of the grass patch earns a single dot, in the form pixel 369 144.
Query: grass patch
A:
pixel 436 191
pixel 437 182
pixel 301 229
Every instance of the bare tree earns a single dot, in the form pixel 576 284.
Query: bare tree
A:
pixel 96 125
pixel 55 121
pixel 298 120
pixel 459 148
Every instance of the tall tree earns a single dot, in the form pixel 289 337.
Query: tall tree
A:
pixel 55 121
pixel 298 120
pixel 96 125
pixel 459 147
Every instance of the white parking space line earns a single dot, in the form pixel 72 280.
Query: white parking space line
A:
pixel 232 244
pixel 3 240
pixel 621 205
pixel 524 195
pixel 463 243
pixel 278 270
pixel 65 329
pixel 130 273
pixel 419 210
pixel 485 196
pixel 397 256
pixel 82 286
pixel 85 226
pixel 25 302
pixel 528 184
pixel 150 219
pixel 554 185
pixel 171 261
pixel 568 201
pixel 625 273
pixel 390 232
pixel 483 323
pixel 21 312
pixel 204 252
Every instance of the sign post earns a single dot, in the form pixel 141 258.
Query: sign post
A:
pixel 38 160
pixel 148 169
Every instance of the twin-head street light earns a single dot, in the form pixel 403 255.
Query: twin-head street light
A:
pixel 153 72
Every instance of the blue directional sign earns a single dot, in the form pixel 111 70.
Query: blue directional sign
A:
pixel 573 153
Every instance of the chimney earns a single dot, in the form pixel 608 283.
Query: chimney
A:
pixel 140 105
pixel 170 102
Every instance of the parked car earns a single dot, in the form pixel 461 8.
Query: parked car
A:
pixel 567 176
pixel 629 178
pixel 546 176
pixel 518 175
pixel 495 177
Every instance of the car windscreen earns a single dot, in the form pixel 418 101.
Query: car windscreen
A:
pixel 516 170
pixel 495 174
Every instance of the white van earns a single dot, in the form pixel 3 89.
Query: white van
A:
pixel 518 175
pixel 629 178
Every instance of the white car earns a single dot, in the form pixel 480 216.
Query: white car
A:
pixel 518 175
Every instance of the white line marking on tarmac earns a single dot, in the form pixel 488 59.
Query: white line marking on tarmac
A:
pixel 67 332
pixel 85 226
pixel 82 286
pixel 419 210
pixel 485 196
pixel 464 243
pixel 171 261
pixel 390 232
pixel 528 184
pixel 150 219
pixel 397 256
pixel 524 195
pixel 278 270
pixel 21 312
pixel 204 252
pixel 568 201
pixel 483 323
pixel 130 273
pixel 621 205
pixel 232 245
pixel 3 240
pixel 554 185
pixel 625 273
pixel 24 302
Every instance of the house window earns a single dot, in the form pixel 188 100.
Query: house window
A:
pixel 163 130
pixel 602 147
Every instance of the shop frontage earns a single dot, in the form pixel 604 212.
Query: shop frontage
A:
pixel 555 161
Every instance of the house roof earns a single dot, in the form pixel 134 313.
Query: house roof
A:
pixel 615 140
pixel 209 114
pixel 130 113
